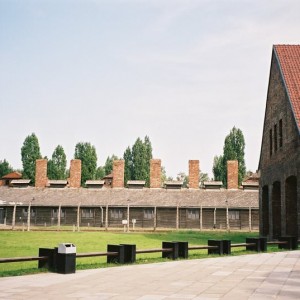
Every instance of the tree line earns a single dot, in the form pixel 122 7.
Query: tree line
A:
pixel 137 161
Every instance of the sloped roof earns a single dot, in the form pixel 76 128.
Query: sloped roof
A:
pixel 13 175
pixel 288 57
pixel 135 197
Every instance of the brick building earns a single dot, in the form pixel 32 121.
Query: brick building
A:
pixel 279 165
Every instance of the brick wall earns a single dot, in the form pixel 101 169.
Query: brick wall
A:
pixel 41 178
pixel 118 173
pixel 278 108
pixel 194 174
pixel 155 173
pixel 232 174
pixel 75 173
pixel 278 162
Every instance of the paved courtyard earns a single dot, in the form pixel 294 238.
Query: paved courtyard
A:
pixel 257 276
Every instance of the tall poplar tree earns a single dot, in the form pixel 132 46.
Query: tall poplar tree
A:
pixel 100 173
pixel 128 172
pixel 57 164
pixel 88 156
pixel 108 167
pixel 234 149
pixel 148 147
pixel 30 152
pixel 137 160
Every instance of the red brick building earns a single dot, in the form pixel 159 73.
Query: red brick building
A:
pixel 279 164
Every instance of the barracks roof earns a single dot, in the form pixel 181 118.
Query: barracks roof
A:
pixel 133 197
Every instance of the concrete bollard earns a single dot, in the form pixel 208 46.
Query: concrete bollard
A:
pixel 292 242
pixel 174 253
pixel 129 253
pixel 120 258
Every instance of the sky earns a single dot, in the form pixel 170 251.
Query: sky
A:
pixel 183 72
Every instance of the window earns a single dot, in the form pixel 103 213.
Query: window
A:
pixel 234 214
pixel 55 213
pixel 148 213
pixel 271 142
pixel 275 138
pixel 87 213
pixel 193 214
pixel 25 212
pixel 280 133
pixel 116 213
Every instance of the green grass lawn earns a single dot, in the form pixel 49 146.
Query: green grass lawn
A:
pixel 20 244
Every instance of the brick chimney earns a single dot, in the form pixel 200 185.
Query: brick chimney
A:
pixel 75 173
pixel 232 174
pixel 118 173
pixel 194 174
pixel 41 178
pixel 155 173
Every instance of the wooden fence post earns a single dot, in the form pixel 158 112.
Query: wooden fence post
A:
pixel 58 217
pixel 14 217
pixel 154 220
pixel 106 217
pixel 28 216
pixel 78 217
pixel 227 219
pixel 250 220
pixel 215 217
pixel 201 218
pixel 177 217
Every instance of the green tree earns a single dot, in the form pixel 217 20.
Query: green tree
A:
pixel 88 156
pixel 100 173
pixel 108 167
pixel 137 160
pixel 128 171
pixel 234 149
pixel 57 164
pixel 218 168
pixel 148 148
pixel 30 152
pixel 163 174
pixel 203 177
pixel 5 168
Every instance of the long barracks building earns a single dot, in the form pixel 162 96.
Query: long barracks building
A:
pixel 110 204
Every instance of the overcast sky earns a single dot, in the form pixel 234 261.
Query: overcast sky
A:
pixel 107 72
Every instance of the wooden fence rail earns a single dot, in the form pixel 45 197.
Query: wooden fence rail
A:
pixel 255 244
pixel 20 259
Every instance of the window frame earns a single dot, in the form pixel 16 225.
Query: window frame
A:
pixel 193 214
pixel 234 215
pixel 116 213
pixel 148 213
pixel 87 213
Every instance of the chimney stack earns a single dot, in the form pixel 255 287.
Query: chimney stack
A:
pixel 118 173
pixel 194 174
pixel 232 174
pixel 155 173
pixel 75 173
pixel 41 178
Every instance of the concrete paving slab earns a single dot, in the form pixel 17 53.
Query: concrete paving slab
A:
pixel 256 276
